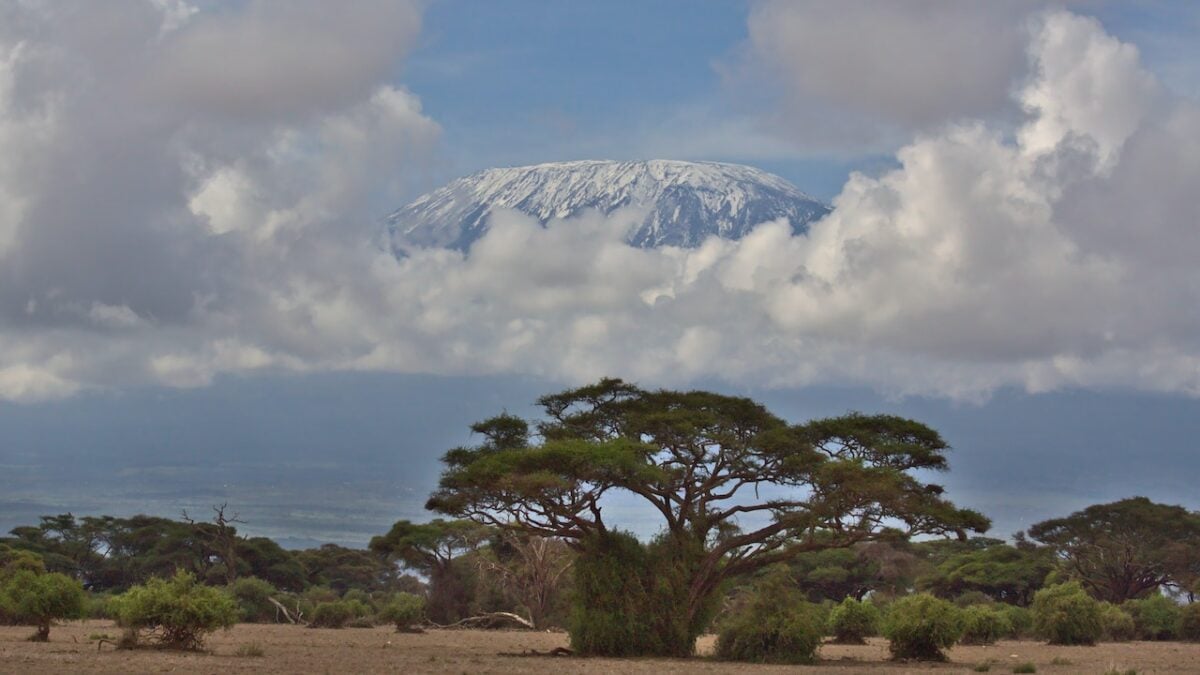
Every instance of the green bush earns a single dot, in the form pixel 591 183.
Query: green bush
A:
pixel 98 606
pixel 1066 615
pixel 1020 621
pixel 984 625
pixel 1118 624
pixel 624 597
pixel 253 596
pixel 972 598
pixel 1156 617
pixel 30 598
pixel 404 611
pixel 920 626
pixel 1026 667
pixel 178 612
pixel 1189 622
pixel 774 625
pixel 332 615
pixel 852 621
pixel 360 596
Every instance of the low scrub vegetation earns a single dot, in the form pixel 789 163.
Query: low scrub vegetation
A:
pixel 1066 615
pixel 175 613
pixel 853 621
pixel 921 627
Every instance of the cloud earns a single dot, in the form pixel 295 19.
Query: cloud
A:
pixel 861 75
pixel 173 244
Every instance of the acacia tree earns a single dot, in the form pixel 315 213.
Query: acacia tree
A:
pixel 1125 549
pixel 700 460
pixel 433 549
pixel 530 569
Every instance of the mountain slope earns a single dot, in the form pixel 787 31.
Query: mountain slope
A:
pixel 687 201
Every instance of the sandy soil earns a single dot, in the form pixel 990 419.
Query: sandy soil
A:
pixel 289 649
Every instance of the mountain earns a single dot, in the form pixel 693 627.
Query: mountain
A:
pixel 687 201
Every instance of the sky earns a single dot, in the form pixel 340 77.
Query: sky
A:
pixel 195 305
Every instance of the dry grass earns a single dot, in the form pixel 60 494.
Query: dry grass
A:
pixel 295 650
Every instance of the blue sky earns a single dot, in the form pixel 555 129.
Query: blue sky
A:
pixel 194 307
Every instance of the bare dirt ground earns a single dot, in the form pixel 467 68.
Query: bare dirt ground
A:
pixel 288 649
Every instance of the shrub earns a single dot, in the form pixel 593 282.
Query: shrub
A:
pixel 1155 616
pixel 1020 621
pixel 30 598
pixel 852 621
pixel 1118 624
pixel 1189 623
pixel 253 596
pixel 178 612
pixel 404 611
pixel 98 606
pixel 1026 667
pixel 358 595
pixel 1066 615
pixel 920 626
pixel 332 615
pixel 984 625
pixel 972 598
pixel 773 624
pixel 624 597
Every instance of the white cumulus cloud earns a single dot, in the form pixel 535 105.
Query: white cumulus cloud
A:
pixel 192 241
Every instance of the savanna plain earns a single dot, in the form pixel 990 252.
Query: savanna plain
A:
pixel 289 649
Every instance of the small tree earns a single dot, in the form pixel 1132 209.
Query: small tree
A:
pixel 253 596
pixel 334 614
pixel 920 627
pixel 178 613
pixel 1156 617
pixel 405 611
pixel 1066 615
pixel 1189 622
pixel 775 624
pixel 39 599
pixel 1118 624
pixel 853 621
pixel 983 625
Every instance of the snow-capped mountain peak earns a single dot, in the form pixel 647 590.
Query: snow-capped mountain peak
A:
pixel 686 202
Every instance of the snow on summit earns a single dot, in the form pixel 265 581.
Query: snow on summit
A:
pixel 686 201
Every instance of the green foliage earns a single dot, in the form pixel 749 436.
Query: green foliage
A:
pixel 1189 622
pixel 920 626
pixel 997 571
pixel 1020 621
pixel 984 625
pixel 97 606
pixel 1066 615
pixel 853 621
pixel 1026 667
pixel 1118 624
pixel 1126 549
pixel 1156 617
pixel 178 612
pixel 253 596
pixel 691 455
pixel 334 614
pixel 30 598
pixel 773 625
pixel 627 599
pixel 342 569
pixel 405 611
